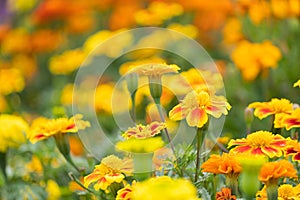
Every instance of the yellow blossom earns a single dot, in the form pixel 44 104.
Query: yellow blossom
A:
pixel 189 29
pixel 34 165
pixel 258 11
pixel 66 97
pixel 297 83
pixel 13 130
pixel 3 104
pixel 141 132
pixel 11 80
pixel 21 5
pixel 43 128
pixel 141 145
pixel 232 31
pixel 164 187
pixel 53 190
pixel 16 41
pixel 67 62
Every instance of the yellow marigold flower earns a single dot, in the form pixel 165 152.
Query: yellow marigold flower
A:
pixel 253 58
pixel 43 128
pixel 232 31
pixel 16 41
pixel 12 131
pixel 11 80
pixel 297 83
pixel 294 150
pixel 3 104
pixel 155 69
pixel 26 64
pixel 53 190
pixel 224 164
pixel 124 193
pixel 141 145
pixel 273 107
pixel 260 143
pixel 285 8
pixel 292 120
pixel 164 188
pixel 258 11
pixel 225 194
pixel 67 62
pixel 196 106
pixel 21 5
pixel 285 192
pixel 272 171
pixel 141 132
pixel 110 170
pixel 157 13
pixel 66 97
pixel 189 29
pixel 35 165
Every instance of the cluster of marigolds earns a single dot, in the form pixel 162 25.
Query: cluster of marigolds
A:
pixel 44 42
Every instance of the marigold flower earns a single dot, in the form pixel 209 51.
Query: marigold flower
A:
pixel 273 107
pixel 294 151
pixel 11 80
pixel 155 70
pixel 225 164
pixel 232 31
pixel 53 190
pixel 189 29
pixel 110 170
pixel 285 192
pixel 135 145
pixel 12 131
pixel 260 143
pixel 196 106
pixel 67 62
pixel 292 120
pixel 164 187
pixel 125 193
pixel 225 194
pixel 272 171
pixel 258 11
pixel 253 58
pixel 297 83
pixel 142 132
pixel 43 128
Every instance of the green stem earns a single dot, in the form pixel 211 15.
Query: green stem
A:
pixel 232 183
pixel 142 166
pixel 157 103
pixel 62 142
pixel 272 192
pixel 200 138
pixel 73 178
pixel 133 111
pixel 3 164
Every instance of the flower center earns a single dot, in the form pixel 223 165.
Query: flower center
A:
pixel 259 139
pixel 286 191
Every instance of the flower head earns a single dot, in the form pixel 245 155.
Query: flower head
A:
pixel 196 106
pixel 297 83
pixel 146 145
pixel 272 171
pixel 11 80
pixel 274 107
pixel 12 131
pixel 142 132
pixel 294 151
pixel 124 193
pixel 155 69
pixel 110 170
pixel 225 194
pixel 292 120
pixel 164 187
pixel 260 143
pixel 225 164
pixel 43 128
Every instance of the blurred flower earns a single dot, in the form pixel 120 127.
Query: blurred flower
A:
pixel 157 12
pixel 124 193
pixel 294 150
pixel 53 190
pixel 76 146
pixel 258 11
pixel 12 131
pixel 284 9
pixel 285 192
pixel 11 80
pixel 135 145
pixel 21 5
pixel 67 62
pixel 189 29
pixel 255 58
pixel 260 143
pixel 40 44
pixel 142 132
pixel 273 107
pixel 155 70
pixel 66 97
pixel 3 104
pixel 80 23
pixel 297 83
pixel 292 120
pixel 225 194
pixel 162 158
pixel 34 165
pixel 232 31
pixel 43 128
pixel 73 186
pixel 272 171
pixel 110 170
pixel 26 64
pixel 164 187
pixel 196 106
pixel 16 41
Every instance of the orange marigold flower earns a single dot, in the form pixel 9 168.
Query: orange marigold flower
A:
pixel 260 143
pixel 292 120
pixel 274 107
pixel 272 171
pixel 225 194
pixel 297 83
pixel 142 132
pixel 196 106
pixel 110 170
pixel 43 128
pixel 124 193
pixel 225 164
pixel 294 151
